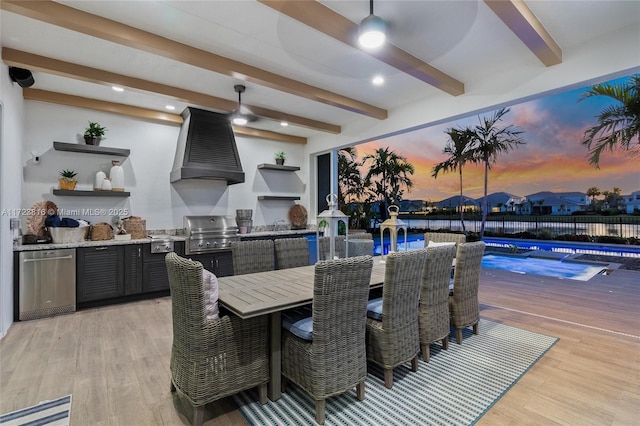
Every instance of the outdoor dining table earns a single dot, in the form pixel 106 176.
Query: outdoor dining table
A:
pixel 271 292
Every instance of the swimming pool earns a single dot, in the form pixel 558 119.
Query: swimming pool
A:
pixel 547 267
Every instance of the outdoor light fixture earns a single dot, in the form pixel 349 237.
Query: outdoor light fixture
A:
pixel 237 117
pixel 329 220
pixel 393 224
pixel 372 30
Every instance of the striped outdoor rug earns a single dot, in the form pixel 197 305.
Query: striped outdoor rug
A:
pixel 49 413
pixel 456 387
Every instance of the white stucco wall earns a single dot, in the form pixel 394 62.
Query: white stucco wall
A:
pixel 11 134
pixel 146 170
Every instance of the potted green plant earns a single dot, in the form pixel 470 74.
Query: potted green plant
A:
pixel 94 133
pixel 280 157
pixel 67 180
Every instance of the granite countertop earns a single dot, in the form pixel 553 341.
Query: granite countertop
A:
pixel 276 233
pixel 112 242
pixel 172 237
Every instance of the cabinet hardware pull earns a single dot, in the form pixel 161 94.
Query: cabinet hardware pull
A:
pixel 47 258
pixel 139 252
pixel 102 248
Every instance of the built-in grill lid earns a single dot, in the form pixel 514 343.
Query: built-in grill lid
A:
pixel 199 226
pixel 206 148
pixel 209 233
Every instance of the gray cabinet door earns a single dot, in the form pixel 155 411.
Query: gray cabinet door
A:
pixel 98 273
pixel 132 269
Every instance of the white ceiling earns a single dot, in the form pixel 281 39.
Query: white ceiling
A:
pixel 462 38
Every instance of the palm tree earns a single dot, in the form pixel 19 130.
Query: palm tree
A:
pixel 350 183
pixel 457 149
pixel 388 175
pixel 489 141
pixel 351 189
pixel 618 125
pixel 593 192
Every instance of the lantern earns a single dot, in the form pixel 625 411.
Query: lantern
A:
pixel 329 219
pixel 393 224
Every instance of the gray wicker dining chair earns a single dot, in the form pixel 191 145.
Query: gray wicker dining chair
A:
pixel 211 358
pixel 433 309
pixel 252 256
pixel 334 360
pixel 393 339
pixel 291 252
pixel 463 304
pixel 340 247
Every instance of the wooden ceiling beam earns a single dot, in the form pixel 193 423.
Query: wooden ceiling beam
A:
pixel 33 62
pixel 325 20
pixel 521 20
pixel 144 113
pixel 116 32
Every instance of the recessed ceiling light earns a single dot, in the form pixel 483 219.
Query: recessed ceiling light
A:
pixel 284 123
pixel 170 107
pixel 377 80
pixel 118 88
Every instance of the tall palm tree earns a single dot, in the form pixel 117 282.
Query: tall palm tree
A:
pixel 489 141
pixel 618 125
pixel 593 192
pixel 388 174
pixel 350 183
pixel 457 148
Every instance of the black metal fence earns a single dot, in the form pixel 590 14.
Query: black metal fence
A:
pixel 619 226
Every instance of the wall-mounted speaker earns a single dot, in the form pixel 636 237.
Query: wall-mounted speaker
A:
pixel 22 76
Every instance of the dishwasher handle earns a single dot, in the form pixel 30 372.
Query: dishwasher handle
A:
pixel 48 258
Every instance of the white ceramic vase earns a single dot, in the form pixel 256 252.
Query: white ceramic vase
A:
pixel 116 174
pixel 100 176
pixel 106 184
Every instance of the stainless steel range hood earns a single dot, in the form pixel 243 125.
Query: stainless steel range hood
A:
pixel 206 148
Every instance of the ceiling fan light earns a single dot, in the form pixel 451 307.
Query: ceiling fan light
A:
pixel 371 32
pixel 239 119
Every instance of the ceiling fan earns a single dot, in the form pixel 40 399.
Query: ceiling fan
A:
pixel 241 116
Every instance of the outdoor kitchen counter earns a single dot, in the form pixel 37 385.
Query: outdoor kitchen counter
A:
pixel 112 242
pixel 271 234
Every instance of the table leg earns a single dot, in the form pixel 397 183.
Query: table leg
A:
pixel 274 389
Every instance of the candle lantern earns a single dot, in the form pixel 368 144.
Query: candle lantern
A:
pixel 329 220
pixel 393 224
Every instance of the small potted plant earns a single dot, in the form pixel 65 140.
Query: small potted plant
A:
pixel 94 133
pixel 67 180
pixel 280 157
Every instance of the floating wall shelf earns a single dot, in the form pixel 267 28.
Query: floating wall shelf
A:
pixel 277 197
pixel 90 149
pixel 91 193
pixel 277 167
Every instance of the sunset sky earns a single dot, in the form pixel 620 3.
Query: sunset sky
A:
pixel 552 159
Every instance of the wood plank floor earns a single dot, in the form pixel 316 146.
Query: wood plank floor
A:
pixel 115 360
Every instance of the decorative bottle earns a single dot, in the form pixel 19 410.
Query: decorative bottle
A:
pixel 116 174
pixel 100 176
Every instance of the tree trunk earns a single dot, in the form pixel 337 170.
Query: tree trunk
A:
pixel 460 205
pixel 484 200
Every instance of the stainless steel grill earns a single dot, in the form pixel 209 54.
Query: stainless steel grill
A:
pixel 206 234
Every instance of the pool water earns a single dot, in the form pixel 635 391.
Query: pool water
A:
pixel 547 267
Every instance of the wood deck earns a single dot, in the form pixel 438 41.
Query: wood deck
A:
pixel 115 360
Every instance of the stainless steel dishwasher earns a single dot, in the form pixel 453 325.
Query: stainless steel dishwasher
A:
pixel 47 283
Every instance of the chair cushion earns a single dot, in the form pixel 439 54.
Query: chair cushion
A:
pixel 210 289
pixel 374 309
pixel 299 322
pixel 434 244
